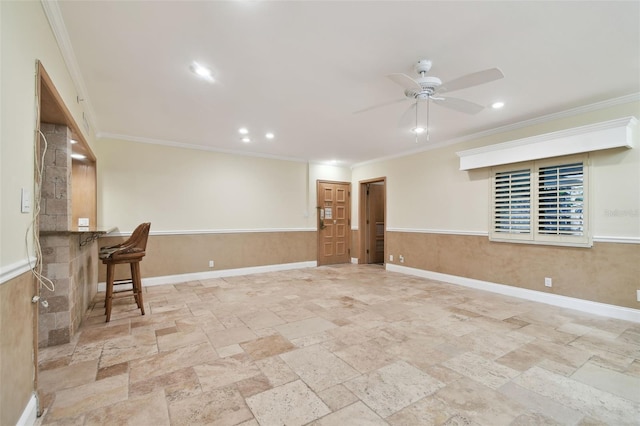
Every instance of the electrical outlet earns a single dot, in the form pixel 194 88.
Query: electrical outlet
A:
pixel 548 282
pixel 401 257
pixel 211 263
pixel 390 258
pixel 638 295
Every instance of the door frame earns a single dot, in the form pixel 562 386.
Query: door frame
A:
pixel 362 217
pixel 318 238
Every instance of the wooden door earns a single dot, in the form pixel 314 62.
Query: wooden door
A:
pixel 375 222
pixel 334 222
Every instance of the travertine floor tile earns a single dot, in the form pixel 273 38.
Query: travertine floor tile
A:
pixel 480 369
pixel 261 319
pixel 599 404
pixel 356 414
pixel 611 381
pixel 291 404
pixel 471 400
pixel 318 367
pixel 225 371
pixel 230 336
pixel 304 327
pixel 223 406
pixel 72 402
pixel 150 409
pixel 68 376
pixel 265 347
pixel 276 370
pixel 339 345
pixel 541 404
pixel 391 388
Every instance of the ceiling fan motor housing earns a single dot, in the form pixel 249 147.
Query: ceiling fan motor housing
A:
pixel 429 83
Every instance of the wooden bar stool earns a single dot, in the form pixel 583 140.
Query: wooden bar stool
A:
pixel 131 251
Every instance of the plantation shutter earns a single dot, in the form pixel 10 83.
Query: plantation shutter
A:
pixel 542 201
pixel 511 202
pixel 561 202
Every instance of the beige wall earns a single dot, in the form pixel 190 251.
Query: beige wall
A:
pixel 438 214
pixel 426 191
pixel 17 371
pixel 180 189
pixel 184 254
pixel 239 211
pixel 605 273
pixel 25 37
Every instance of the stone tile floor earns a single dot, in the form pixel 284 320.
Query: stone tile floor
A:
pixel 341 345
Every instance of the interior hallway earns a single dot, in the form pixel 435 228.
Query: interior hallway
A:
pixel 341 345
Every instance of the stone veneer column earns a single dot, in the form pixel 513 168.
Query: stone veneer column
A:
pixel 55 215
pixel 66 262
pixel 55 197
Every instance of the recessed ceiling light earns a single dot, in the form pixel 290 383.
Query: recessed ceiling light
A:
pixel 201 71
pixel 497 105
pixel 73 141
pixel 243 131
pixel 418 130
pixel 246 139
pixel 78 156
pixel 269 135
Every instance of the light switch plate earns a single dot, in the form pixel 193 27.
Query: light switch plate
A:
pixel 25 199
pixel 83 221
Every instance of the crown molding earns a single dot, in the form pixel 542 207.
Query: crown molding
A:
pixel 162 142
pixel 56 21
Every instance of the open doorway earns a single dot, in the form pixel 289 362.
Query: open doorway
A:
pixel 373 210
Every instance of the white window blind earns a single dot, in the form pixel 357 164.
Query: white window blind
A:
pixel 512 202
pixel 541 202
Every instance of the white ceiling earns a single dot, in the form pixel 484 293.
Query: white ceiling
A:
pixel 300 69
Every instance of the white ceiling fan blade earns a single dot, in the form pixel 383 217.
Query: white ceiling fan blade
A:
pixel 459 105
pixel 470 80
pixel 380 105
pixel 405 81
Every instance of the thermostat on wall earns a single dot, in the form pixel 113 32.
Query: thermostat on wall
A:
pixel 83 221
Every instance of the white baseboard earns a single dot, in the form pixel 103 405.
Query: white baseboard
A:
pixel 30 413
pixel 181 278
pixel 603 309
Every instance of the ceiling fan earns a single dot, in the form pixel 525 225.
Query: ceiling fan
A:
pixel 427 88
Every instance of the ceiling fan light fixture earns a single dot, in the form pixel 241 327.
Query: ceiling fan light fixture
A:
pixel 201 71
pixel 418 130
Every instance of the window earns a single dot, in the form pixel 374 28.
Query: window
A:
pixel 541 201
